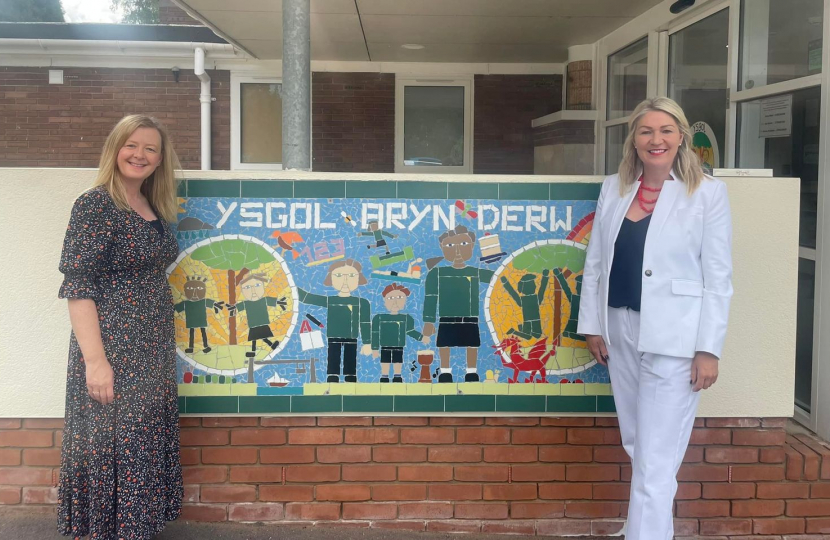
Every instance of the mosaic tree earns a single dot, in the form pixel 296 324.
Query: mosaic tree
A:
pixel 238 257
pixel 564 259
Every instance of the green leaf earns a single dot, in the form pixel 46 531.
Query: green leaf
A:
pixel 236 261
pixel 550 256
pixel 232 254
pixel 202 253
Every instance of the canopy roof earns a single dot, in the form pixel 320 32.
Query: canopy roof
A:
pixel 493 31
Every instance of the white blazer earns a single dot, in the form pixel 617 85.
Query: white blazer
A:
pixel 687 268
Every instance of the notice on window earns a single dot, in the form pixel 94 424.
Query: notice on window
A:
pixel 814 56
pixel 776 117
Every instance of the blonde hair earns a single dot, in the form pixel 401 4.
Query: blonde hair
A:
pixel 160 187
pixel 686 166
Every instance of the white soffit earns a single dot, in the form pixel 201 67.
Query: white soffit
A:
pixel 478 31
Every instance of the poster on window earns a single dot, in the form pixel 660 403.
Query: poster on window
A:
pixel 814 56
pixel 776 117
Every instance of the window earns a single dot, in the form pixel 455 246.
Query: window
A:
pixel 804 333
pixel 433 126
pixel 780 41
pixel 627 79
pixel 256 123
pixel 698 75
pixel 626 86
pixel 614 139
pixel 782 133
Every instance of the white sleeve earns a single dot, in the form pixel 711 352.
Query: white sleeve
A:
pixel 716 263
pixel 588 322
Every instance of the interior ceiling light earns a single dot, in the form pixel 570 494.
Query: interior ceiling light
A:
pixel 412 46
pixel 681 5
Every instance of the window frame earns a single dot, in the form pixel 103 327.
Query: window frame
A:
pixel 728 152
pixel 237 81
pixel 401 82
pixel 820 416
pixel 642 53
pixel 781 86
pixel 605 52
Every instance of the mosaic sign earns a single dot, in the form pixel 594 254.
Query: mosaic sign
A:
pixel 705 145
pixel 381 305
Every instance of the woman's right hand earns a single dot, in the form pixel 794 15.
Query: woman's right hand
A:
pixel 99 381
pixel 597 347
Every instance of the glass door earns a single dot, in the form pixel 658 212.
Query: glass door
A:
pixel 698 79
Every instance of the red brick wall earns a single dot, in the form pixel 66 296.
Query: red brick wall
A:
pixel 353 122
pixel 51 125
pixel 170 13
pixel 353 117
pixel 580 85
pixel 565 132
pixel 505 105
pixel 534 476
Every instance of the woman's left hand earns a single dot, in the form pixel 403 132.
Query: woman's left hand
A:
pixel 704 370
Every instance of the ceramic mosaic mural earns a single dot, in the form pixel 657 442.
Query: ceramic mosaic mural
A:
pixel 305 297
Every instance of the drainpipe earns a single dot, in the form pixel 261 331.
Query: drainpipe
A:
pixel 204 100
pixel 296 85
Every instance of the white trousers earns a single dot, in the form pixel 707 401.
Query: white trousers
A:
pixel 656 411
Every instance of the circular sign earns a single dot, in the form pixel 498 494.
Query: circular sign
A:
pixel 235 304
pixel 705 145
pixel 563 353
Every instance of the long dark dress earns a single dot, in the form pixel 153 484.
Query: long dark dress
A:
pixel 121 476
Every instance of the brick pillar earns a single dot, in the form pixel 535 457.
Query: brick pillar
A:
pixel 580 80
pixel 170 13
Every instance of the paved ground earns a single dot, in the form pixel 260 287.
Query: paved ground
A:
pixel 23 525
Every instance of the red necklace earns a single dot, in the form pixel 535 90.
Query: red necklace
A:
pixel 643 202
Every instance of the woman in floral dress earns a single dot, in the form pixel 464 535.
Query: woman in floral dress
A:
pixel 121 476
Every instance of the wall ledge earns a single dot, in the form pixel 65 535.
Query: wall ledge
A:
pixel 561 116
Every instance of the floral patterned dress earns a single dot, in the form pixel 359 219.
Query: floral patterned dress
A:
pixel 121 476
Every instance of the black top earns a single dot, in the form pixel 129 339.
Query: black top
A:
pixel 156 223
pixel 625 285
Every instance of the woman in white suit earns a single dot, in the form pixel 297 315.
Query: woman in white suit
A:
pixel 655 300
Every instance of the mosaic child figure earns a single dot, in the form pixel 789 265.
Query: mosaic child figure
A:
pixel 573 299
pixel 389 331
pixel 528 299
pixel 256 306
pixel 347 318
pixel 453 292
pixel 194 307
pixel 378 234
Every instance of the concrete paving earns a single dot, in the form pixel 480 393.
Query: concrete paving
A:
pixel 26 525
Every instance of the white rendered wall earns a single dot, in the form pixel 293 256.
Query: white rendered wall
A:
pixel 757 371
